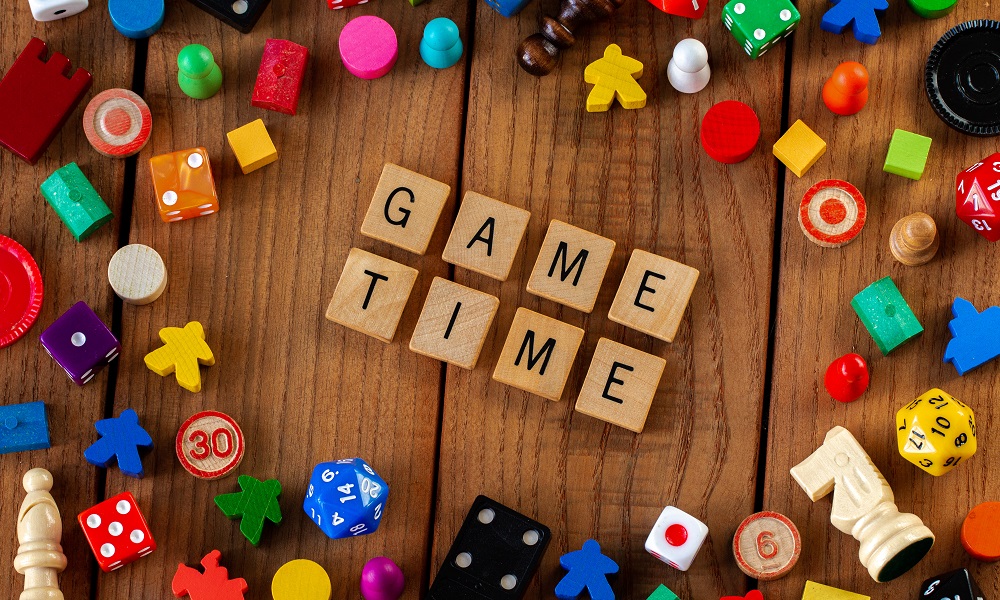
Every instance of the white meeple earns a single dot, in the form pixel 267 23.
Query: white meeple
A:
pixel 688 70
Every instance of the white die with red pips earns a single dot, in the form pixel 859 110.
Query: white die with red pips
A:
pixel 676 538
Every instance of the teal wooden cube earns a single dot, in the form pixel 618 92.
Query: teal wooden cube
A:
pixel 886 315
pixel 907 155
pixel 760 24
pixel 75 201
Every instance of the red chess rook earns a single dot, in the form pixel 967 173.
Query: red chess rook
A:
pixel 977 198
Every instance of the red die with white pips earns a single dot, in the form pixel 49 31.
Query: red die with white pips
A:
pixel 116 532
pixel 676 538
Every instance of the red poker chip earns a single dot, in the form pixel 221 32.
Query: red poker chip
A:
pixel 117 123
pixel 730 132
pixel 20 291
pixel 832 213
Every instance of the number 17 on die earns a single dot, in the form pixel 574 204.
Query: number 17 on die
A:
pixel 346 498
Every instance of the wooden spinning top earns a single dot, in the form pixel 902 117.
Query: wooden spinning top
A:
pixel 539 53
pixel 914 239
pixel 39 530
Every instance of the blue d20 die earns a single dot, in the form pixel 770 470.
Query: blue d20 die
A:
pixel 346 498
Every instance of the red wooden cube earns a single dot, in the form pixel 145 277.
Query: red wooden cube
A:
pixel 977 200
pixel 279 79
pixel 183 184
pixel 116 531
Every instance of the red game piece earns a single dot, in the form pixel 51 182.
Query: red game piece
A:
pixel 279 79
pixel 832 213
pixel 846 92
pixel 981 532
pixel 20 291
pixel 337 4
pixel 117 123
pixel 730 132
pixel 213 584
pixel 846 378
pixel 36 98
pixel 977 201
pixel 692 9
pixel 209 445
pixel 751 595
pixel 116 532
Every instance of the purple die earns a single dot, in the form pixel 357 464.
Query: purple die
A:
pixel 80 342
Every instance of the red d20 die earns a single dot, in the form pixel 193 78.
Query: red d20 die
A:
pixel 116 531
pixel 977 198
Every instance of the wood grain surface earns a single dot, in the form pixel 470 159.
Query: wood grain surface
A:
pixel 740 401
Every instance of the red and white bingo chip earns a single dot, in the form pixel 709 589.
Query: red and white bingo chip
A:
pixel 832 213
pixel 210 445
pixel 117 123
pixel 766 545
pixel 20 291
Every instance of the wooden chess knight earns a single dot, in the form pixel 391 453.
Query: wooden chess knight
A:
pixel 39 530
pixel 539 53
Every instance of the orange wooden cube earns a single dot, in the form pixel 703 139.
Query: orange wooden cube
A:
pixel 183 185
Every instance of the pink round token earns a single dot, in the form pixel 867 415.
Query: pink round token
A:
pixel 117 123
pixel 368 47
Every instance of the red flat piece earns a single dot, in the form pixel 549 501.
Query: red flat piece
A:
pixel 279 79
pixel 36 98
pixel 832 213
pixel 20 291
pixel 117 123
pixel 730 132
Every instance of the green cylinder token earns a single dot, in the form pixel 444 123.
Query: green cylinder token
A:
pixel 932 9
pixel 197 73
pixel 70 194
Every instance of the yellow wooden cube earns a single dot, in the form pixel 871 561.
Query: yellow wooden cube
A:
pixel 818 591
pixel 799 148
pixel 252 146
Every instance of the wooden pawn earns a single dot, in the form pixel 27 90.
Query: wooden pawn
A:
pixel 914 240
pixel 39 531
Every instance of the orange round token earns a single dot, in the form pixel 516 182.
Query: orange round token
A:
pixel 210 445
pixel 832 213
pixel 981 532
pixel 766 545
pixel 117 123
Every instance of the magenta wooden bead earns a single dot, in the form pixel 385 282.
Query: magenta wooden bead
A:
pixel 368 47
pixel 381 579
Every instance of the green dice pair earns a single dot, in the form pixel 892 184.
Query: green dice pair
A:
pixel 76 202
pixel 760 24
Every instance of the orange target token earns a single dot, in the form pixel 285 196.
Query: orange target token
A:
pixel 832 213
pixel 766 545
pixel 210 445
pixel 981 532
pixel 117 123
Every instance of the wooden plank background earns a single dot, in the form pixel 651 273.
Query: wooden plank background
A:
pixel 740 401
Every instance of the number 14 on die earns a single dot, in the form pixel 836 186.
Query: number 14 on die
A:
pixel 346 498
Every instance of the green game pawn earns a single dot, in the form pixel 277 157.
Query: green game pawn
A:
pixel 197 73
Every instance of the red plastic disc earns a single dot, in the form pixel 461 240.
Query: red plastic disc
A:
pixel 20 291
pixel 117 123
pixel 832 213
pixel 730 132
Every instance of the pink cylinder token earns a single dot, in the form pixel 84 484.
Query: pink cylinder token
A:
pixel 368 47
pixel 117 123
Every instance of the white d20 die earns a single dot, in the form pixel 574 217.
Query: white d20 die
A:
pixel 676 538
pixel 51 10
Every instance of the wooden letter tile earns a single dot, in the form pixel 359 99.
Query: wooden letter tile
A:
pixel 486 235
pixel 371 294
pixel 570 266
pixel 653 295
pixel 453 323
pixel 538 354
pixel 405 209
pixel 620 385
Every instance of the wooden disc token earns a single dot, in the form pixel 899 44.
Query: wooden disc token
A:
pixel 981 532
pixel 117 123
pixel 137 274
pixel 20 291
pixel 210 445
pixel 766 545
pixel 832 213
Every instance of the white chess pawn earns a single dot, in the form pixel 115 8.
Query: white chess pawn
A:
pixel 39 530
pixel 688 70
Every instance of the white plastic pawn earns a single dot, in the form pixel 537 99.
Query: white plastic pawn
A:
pixel 688 70
pixel 39 530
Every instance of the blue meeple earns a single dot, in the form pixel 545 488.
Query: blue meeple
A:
pixel 121 439
pixel 861 15
pixel 346 498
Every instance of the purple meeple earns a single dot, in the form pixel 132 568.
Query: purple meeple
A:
pixel 80 342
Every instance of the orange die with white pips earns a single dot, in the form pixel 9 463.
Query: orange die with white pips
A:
pixel 183 184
